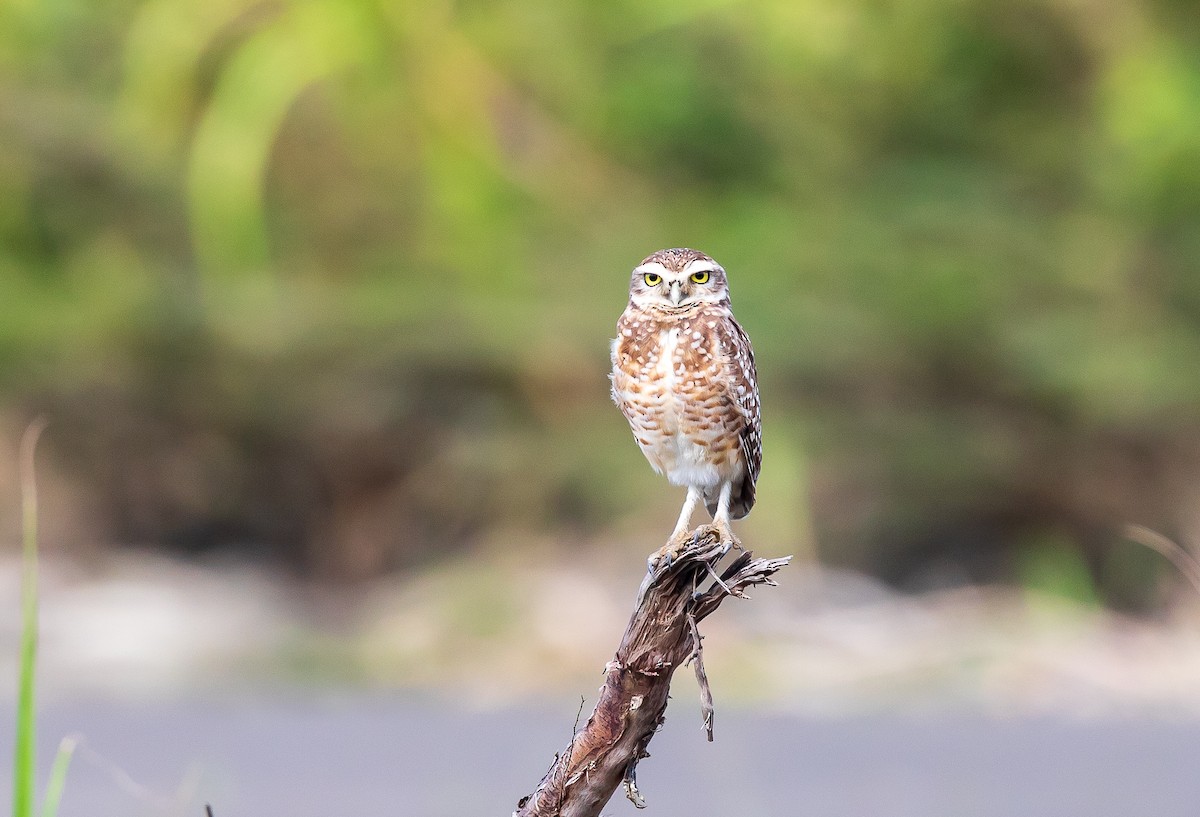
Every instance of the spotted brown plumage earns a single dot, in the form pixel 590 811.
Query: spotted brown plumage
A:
pixel 684 377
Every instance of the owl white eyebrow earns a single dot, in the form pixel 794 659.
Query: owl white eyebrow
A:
pixel 653 266
pixel 701 265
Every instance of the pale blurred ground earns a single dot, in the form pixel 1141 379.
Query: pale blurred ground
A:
pixel 448 693
pixel 500 627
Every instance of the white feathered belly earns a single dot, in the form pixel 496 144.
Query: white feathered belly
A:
pixel 680 416
pixel 685 463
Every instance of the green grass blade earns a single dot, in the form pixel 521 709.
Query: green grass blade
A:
pixel 26 738
pixel 58 777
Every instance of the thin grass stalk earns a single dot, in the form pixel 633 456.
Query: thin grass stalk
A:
pixel 58 777
pixel 25 752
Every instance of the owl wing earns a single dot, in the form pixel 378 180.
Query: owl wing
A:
pixel 623 368
pixel 741 384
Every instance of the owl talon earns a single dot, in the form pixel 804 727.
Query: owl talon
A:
pixel 654 561
pixel 727 539
pixel 662 559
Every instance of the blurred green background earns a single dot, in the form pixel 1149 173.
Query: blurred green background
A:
pixel 330 283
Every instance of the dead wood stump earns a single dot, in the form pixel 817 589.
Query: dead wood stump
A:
pixel 661 636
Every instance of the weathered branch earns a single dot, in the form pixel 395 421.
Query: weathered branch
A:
pixel 661 636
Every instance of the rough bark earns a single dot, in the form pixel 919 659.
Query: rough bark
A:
pixel 661 636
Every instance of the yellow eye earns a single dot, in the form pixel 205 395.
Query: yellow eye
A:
pixel 652 279
pixel 700 277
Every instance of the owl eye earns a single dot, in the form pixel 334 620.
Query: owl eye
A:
pixel 652 279
pixel 700 277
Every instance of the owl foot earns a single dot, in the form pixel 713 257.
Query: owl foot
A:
pixel 665 556
pixel 725 537
pixel 662 560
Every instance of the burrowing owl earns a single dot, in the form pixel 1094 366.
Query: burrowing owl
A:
pixel 683 375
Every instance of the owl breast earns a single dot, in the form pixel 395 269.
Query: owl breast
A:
pixel 670 381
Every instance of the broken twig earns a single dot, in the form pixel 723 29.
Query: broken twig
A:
pixel 662 635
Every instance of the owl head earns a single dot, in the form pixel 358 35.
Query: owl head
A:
pixel 678 280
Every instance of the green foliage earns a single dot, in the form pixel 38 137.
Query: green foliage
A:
pixel 961 234
pixel 1055 567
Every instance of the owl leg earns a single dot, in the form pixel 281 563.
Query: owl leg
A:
pixel 721 518
pixel 685 515
pixel 679 535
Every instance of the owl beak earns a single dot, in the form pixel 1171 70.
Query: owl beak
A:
pixel 676 293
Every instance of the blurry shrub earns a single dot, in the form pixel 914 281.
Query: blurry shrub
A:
pixel 334 278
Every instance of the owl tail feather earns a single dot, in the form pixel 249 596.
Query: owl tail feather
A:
pixel 740 502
